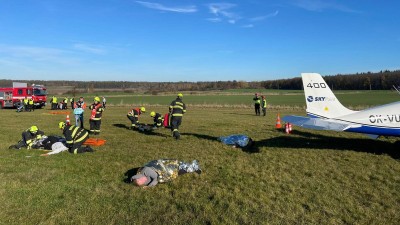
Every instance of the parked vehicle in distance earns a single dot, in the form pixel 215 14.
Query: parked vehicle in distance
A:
pixel 11 96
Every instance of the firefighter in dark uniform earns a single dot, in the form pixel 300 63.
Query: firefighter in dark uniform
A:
pixel 257 104
pixel 29 137
pixel 158 119
pixel 75 137
pixel 176 110
pixel 264 105
pixel 31 105
pixel 133 116
pixel 95 117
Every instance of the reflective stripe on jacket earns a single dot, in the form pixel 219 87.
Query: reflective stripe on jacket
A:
pixel 177 107
pixel 74 134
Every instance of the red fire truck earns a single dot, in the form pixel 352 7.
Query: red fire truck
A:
pixel 11 96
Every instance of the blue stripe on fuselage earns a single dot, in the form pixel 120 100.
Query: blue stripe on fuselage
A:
pixel 385 131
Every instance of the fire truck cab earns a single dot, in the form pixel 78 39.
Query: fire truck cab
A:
pixel 12 96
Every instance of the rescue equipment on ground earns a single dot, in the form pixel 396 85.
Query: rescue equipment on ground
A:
pixel 94 142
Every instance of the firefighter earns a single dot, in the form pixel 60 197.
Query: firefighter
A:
pixel 95 117
pixel 176 110
pixel 257 103
pixel 26 104
pixel 75 137
pixel 264 105
pixel 29 137
pixel 31 105
pixel 158 119
pixel 133 116
pixel 65 103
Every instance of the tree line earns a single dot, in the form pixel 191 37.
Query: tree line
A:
pixel 382 80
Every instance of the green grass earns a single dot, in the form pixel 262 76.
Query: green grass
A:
pixel 307 177
pixel 353 99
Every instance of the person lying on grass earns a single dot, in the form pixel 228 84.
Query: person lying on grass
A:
pixel 163 170
pixel 238 141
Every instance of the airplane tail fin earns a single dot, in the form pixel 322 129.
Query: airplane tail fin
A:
pixel 320 100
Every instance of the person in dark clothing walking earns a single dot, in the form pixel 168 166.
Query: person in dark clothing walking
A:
pixel 257 103
pixel 176 109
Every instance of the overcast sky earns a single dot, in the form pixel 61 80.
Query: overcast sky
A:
pixel 188 40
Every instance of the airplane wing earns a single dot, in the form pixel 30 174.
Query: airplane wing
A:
pixel 317 123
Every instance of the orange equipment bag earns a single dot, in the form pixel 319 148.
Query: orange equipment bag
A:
pixel 94 142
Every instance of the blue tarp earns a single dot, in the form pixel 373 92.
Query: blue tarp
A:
pixel 236 139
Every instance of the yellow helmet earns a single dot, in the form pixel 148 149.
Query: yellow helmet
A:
pixel 180 95
pixel 96 99
pixel 61 125
pixel 143 109
pixel 153 114
pixel 33 129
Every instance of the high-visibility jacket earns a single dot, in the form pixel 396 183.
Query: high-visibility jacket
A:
pixel 65 100
pixel 74 134
pixel 264 104
pixel 54 100
pixel 177 107
pixel 31 102
pixel 97 111
pixel 257 100
pixel 30 138
pixel 26 101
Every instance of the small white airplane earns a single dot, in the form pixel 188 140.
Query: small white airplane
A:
pixel 327 113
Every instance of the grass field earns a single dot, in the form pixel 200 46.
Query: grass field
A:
pixel 307 177
pixel 276 98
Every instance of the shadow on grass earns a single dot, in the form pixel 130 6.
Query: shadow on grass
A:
pixel 317 141
pixel 128 174
pixel 250 149
pixel 247 114
pixel 150 133
pixel 120 125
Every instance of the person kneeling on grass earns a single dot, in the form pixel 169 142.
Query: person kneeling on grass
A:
pixel 163 170
pixel 29 138
pixel 74 138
